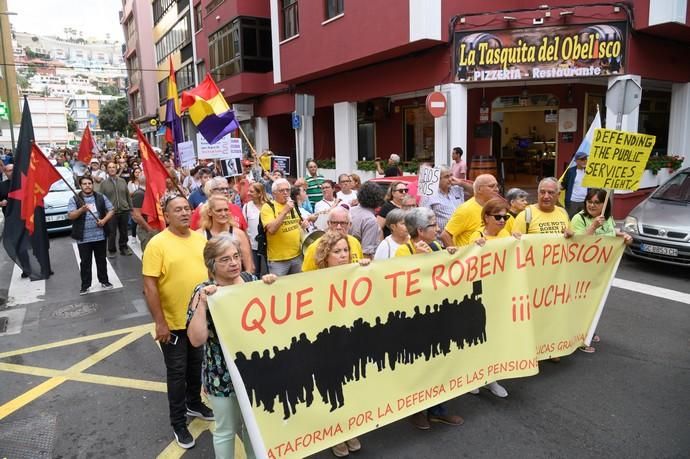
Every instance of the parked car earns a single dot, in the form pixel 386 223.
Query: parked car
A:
pixel 411 180
pixel 660 225
pixel 56 201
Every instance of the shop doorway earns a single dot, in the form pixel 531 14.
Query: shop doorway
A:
pixel 524 138
pixel 419 134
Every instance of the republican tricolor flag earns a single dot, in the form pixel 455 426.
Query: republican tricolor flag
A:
pixel 209 111
pixel 173 122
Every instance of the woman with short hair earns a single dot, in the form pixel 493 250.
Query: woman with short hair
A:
pixel 224 263
pixel 395 222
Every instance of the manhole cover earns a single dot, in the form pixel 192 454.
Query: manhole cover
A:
pixel 71 311
pixel 29 438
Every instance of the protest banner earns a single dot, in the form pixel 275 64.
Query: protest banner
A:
pixel 617 159
pixel 428 181
pixel 321 357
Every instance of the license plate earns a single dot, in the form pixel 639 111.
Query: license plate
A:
pixel 55 218
pixel 670 251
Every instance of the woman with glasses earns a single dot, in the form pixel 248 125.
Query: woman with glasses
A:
pixel 597 221
pixel 222 258
pixel 394 200
pixel 216 220
pixel 495 215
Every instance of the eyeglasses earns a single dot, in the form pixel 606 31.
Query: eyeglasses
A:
pixel 229 259
pixel 433 225
pixel 224 190
pixel 498 218
pixel 402 190
pixel 330 222
pixel 283 190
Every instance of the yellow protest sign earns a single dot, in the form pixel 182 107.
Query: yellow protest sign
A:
pixel 320 357
pixel 617 159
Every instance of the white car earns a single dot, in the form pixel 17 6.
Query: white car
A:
pixel 56 202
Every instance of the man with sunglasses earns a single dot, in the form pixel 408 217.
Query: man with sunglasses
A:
pixel 467 218
pixel 172 266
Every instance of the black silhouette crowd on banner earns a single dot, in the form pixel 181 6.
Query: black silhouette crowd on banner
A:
pixel 340 354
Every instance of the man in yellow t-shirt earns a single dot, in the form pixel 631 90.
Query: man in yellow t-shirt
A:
pixel 283 224
pixel 467 218
pixel 173 265
pixel 338 220
pixel 544 217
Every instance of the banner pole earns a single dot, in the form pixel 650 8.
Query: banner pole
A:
pixel 251 147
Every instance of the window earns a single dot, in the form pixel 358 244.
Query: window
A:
pixel 334 8
pixel 198 23
pixel 212 5
pixel 175 38
pixel 160 7
pixel 133 69
pixel 135 104
pixel 163 91
pixel 184 78
pixel 290 19
pixel 366 141
pixel 201 70
pixel 243 45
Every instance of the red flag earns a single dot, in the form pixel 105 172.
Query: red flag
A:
pixel 155 174
pixel 87 147
pixel 40 175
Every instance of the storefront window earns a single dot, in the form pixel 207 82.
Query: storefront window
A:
pixel 366 141
pixel 419 134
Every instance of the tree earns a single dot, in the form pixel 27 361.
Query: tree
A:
pixel 71 124
pixel 110 90
pixel 22 81
pixel 114 115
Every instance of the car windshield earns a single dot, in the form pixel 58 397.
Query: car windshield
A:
pixel 60 185
pixel 676 189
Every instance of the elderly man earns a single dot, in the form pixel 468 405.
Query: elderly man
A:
pixel 544 217
pixel 283 225
pixel 448 198
pixel 364 225
pixel 338 220
pixel 314 182
pixel 392 168
pixel 467 218
pixel 219 185
pixel 173 264
pixel 572 184
pixel 115 189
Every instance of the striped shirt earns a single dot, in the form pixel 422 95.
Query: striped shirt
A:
pixel 314 191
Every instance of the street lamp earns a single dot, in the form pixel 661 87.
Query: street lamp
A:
pixel 4 77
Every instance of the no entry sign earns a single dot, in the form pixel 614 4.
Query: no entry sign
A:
pixel 436 104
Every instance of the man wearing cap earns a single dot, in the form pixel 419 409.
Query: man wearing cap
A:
pixel 572 184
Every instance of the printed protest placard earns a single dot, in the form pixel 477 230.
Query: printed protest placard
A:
pixel 617 159
pixel 187 156
pixel 226 147
pixel 330 354
pixel 428 181
pixel 281 163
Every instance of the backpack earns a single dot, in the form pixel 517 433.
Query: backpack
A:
pixel 261 239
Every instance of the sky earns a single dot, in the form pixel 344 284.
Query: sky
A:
pixel 50 17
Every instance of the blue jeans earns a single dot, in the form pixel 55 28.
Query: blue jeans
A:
pixel 438 410
pixel 229 423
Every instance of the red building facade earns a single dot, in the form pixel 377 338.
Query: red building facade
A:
pixel 369 68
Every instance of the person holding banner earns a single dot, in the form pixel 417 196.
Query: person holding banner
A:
pixel 596 220
pixel 223 261
pixel 395 222
pixel 544 217
pixel 338 221
pixel 333 249
pixel 422 227
pixel 215 220
pixel 495 216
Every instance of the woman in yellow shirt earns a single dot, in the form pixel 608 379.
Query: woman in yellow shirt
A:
pixel 494 217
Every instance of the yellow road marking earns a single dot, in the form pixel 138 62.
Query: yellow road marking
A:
pixel 128 383
pixel 70 341
pixel 31 395
pixel 28 370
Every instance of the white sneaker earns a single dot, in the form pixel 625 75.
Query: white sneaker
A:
pixel 474 392
pixel 497 389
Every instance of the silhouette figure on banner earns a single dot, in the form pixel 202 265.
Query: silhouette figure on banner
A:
pixel 340 354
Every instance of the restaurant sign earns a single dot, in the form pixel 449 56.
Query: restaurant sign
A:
pixel 538 53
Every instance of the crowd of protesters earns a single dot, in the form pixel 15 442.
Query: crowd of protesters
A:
pixel 231 230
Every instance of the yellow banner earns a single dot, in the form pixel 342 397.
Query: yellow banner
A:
pixel 617 159
pixel 331 354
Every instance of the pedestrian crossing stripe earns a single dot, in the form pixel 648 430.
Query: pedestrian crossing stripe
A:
pixel 95 285
pixel 24 290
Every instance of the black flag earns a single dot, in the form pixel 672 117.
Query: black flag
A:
pixel 29 252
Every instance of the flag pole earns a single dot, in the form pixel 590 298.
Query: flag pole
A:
pixel 247 140
pixel 170 176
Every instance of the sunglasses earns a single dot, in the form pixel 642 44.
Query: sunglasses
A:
pixel 403 190
pixel 498 218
